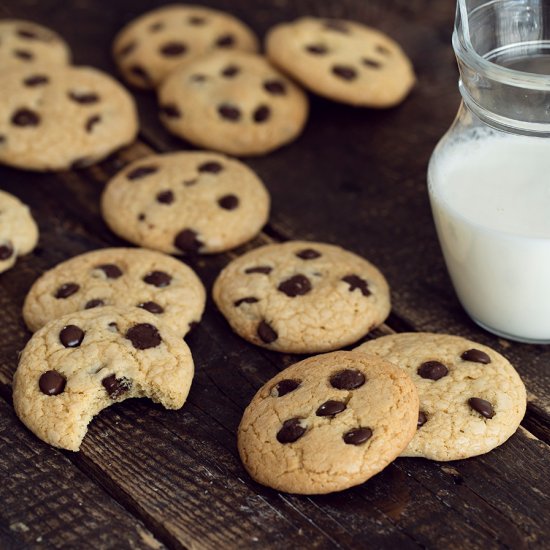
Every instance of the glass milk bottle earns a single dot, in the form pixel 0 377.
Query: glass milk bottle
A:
pixel 489 176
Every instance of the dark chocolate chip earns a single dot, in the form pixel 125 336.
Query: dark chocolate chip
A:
pixel 155 27
pixel 211 167
pixel 422 419
pixel 229 112
pixel 170 111
pixel 308 254
pixel 36 80
pixel 262 113
pixel 141 172
pixel 111 271
pixel 25 117
pixel 476 356
pixel 331 408
pixel 230 71
pixel 347 379
pixel 91 122
pixel 173 49
pixel 152 307
pixel 25 33
pixel 297 285
pixel 127 49
pixel 247 300
pixel 71 336
pixel 432 370
pixel 275 87
pixel 483 407
pixel 115 387
pixel 96 302
pixel 84 98
pixel 357 436
pixel 66 290
pixel 187 241
pixel 265 269
pixel 6 251
pixel 140 72
pixel 371 63
pixel 285 386
pixel 165 197
pixel 141 217
pixel 160 279
pixel 344 72
pixel 317 49
pixel 25 55
pixel 52 383
pixel 334 25
pixel 144 336
pixel 225 41
pixel 196 20
pixel 291 431
pixel 266 333
pixel 354 282
pixel 229 202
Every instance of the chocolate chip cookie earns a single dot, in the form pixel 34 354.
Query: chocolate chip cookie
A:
pixel 154 44
pixel 54 117
pixel 302 297
pixel 328 423
pixel 79 364
pixel 18 230
pixel 471 398
pixel 26 44
pixel 342 60
pixel 233 102
pixel 122 277
pixel 185 203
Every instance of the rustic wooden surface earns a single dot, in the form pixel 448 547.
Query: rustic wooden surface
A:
pixel 149 478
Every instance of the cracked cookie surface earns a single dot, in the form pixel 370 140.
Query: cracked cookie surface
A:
pixel 342 60
pixel 302 297
pixel 328 423
pixel 77 365
pixel 471 398
pixel 185 203
pixel 122 277
pixel 18 230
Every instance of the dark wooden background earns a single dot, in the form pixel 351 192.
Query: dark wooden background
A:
pixel 149 478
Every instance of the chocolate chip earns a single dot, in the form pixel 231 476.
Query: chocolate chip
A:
pixel 483 407
pixel 6 251
pixel 152 307
pixel 291 431
pixel 229 202
pixel 422 419
pixel 432 370
pixel 91 122
pixel 141 172
pixel 170 111
pixel 84 98
pixel 160 279
pixel 357 436
pixel 247 300
pixel 25 55
pixel 347 379
pixel 71 336
pixel 317 49
pixel 275 87
pixel 265 269
pixel 371 63
pixel 225 41
pixel 262 113
pixel 330 408
pixel 24 33
pixel 144 336
pixel 344 72
pixel 36 80
pixel 187 241
pixel 96 302
pixel 297 285
pixel 285 386
pixel 266 333
pixel 111 271
pixel 229 112
pixel 211 167
pixel 115 387
pixel 66 290
pixel 155 27
pixel 230 71
pixel 308 254
pixel 141 217
pixel 173 49
pixel 127 49
pixel 52 383
pixel 338 26
pixel 354 282
pixel 165 197
pixel 196 20
pixel 140 72
pixel 25 117
pixel 476 356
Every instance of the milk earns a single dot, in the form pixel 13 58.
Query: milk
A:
pixel 490 197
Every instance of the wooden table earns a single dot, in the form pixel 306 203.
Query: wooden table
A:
pixel 149 478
